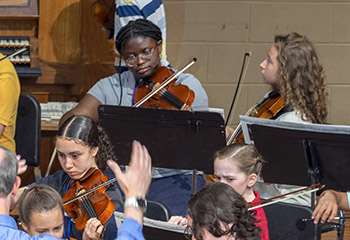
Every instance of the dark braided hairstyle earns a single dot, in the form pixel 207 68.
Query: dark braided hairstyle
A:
pixel 137 28
pixel 217 206
pixel 83 130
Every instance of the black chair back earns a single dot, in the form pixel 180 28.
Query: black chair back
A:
pixel 285 222
pixel 157 211
pixel 28 129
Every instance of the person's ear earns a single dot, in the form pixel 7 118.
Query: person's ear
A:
pixel 16 186
pixel 160 46
pixel 94 151
pixel 252 178
pixel 25 227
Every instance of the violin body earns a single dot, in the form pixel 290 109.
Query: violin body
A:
pixel 95 204
pixel 266 109
pixel 170 97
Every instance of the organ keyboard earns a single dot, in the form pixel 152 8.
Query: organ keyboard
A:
pixel 22 61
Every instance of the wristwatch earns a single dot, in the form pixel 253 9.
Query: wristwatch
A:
pixel 139 203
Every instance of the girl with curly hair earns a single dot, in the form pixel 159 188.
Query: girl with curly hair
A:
pixel 218 212
pixel 82 147
pixel 292 69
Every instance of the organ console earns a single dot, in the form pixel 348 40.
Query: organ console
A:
pixel 22 61
pixel 19 23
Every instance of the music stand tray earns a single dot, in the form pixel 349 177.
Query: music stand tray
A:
pixel 175 139
pixel 155 229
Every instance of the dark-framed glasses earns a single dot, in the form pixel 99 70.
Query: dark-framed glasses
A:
pixel 188 232
pixel 131 60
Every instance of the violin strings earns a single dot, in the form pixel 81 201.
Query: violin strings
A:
pixel 172 98
pixel 90 191
pixel 88 208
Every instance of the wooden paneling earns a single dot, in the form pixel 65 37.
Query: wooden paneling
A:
pixel 66 43
pixel 72 48
pixel 19 8
pixel 59 31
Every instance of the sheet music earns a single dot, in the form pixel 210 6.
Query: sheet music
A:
pixel 325 128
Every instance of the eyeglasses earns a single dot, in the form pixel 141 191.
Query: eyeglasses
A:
pixel 188 232
pixel 131 60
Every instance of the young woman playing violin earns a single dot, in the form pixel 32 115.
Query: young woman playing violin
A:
pixel 293 71
pixel 297 82
pixel 83 149
pixel 140 45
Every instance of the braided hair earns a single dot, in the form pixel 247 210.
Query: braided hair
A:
pixel 137 28
pixel 245 156
pixel 83 130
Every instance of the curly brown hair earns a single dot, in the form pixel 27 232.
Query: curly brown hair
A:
pixel 302 77
pixel 216 207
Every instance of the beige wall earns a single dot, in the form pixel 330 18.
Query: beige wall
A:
pixel 218 33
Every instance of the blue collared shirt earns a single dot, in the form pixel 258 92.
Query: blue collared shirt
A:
pixel 130 230
pixel 9 230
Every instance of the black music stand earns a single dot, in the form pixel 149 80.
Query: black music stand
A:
pixel 175 139
pixel 304 154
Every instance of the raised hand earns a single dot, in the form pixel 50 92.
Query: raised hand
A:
pixel 135 181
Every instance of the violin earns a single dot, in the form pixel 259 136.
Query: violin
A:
pixel 82 201
pixel 266 109
pixel 170 96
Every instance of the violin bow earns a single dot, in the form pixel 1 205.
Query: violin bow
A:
pixel 164 83
pixel 284 197
pixel 239 128
pixel 14 53
pixel 241 76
